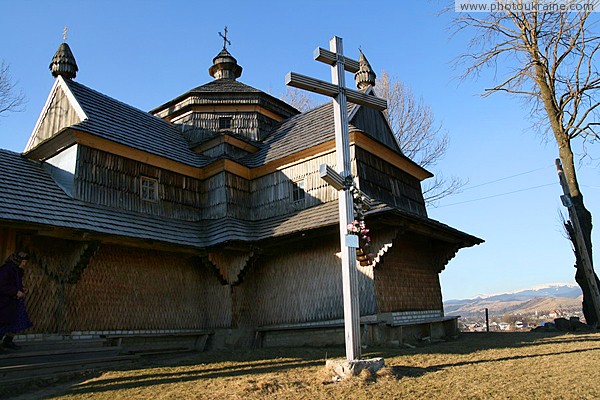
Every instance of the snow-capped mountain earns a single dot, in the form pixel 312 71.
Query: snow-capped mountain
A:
pixel 566 294
pixel 568 290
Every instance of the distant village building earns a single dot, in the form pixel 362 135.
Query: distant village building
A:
pixel 208 213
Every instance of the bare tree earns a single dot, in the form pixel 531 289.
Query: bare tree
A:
pixel 549 60
pixel 10 101
pixel 298 99
pixel 420 138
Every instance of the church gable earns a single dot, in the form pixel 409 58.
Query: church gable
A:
pixel 374 123
pixel 61 111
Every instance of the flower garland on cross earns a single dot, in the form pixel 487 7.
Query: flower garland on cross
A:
pixel 358 227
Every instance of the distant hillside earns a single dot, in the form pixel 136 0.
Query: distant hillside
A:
pixel 543 299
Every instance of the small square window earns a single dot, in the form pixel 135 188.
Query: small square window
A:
pixel 298 193
pixel 224 122
pixel 149 190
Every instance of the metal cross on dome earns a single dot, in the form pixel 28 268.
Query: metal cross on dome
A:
pixel 340 179
pixel 225 40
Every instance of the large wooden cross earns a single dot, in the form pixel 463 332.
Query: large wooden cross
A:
pixel 341 180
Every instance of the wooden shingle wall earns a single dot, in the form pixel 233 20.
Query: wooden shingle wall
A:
pixel 214 196
pixel 386 183
pixel 299 284
pixel 252 125
pixel 121 288
pixel 271 194
pixel 238 197
pixel 407 277
pixel 114 181
pixel 242 123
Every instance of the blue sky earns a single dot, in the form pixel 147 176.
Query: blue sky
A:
pixel 145 53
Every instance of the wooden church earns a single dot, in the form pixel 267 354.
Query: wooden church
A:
pixel 208 214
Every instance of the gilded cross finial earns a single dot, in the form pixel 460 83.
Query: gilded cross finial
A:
pixel 225 40
pixel 65 33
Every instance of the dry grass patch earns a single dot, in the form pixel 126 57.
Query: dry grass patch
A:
pixel 476 366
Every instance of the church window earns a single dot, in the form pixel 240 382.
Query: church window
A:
pixel 149 190
pixel 224 122
pixel 298 192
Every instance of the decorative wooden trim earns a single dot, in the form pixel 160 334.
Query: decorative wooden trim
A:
pixel 211 108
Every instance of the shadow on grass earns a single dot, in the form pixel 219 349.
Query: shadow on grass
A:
pixel 227 364
pixel 247 364
pixel 468 343
pixel 413 372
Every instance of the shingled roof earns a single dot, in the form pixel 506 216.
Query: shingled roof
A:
pixel 225 86
pixel 298 133
pixel 30 195
pixel 231 90
pixel 124 124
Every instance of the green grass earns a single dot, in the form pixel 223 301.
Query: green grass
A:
pixel 476 366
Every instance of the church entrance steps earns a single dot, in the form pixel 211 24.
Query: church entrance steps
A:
pixel 54 360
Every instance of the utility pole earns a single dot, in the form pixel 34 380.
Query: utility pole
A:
pixel 585 259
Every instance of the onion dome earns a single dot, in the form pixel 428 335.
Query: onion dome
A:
pixel 63 63
pixel 365 76
pixel 225 66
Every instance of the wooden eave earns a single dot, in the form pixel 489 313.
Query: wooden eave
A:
pixel 70 136
pixel 52 145
pixel 424 227
pixel 226 138
pixel 87 236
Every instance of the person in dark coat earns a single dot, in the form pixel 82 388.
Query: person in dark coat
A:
pixel 13 315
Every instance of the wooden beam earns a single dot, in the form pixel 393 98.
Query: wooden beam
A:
pixel 325 88
pixel 329 57
pixel 367 100
pixel 311 84
pixel 331 176
pixel 582 250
